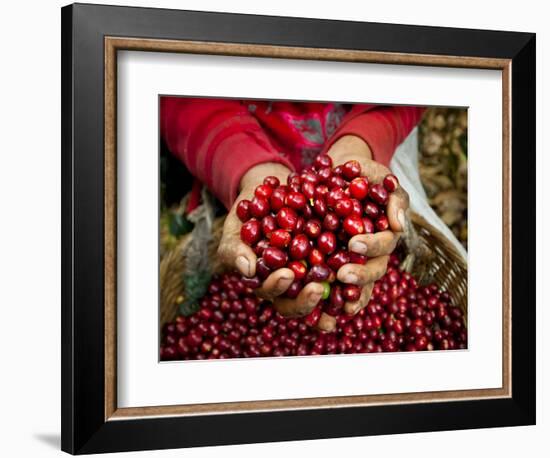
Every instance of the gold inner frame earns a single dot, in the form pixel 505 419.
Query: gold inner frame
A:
pixel 112 45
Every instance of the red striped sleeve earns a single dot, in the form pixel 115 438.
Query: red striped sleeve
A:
pixel 383 128
pixel 218 140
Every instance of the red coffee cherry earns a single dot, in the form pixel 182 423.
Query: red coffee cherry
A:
pixel 286 218
pixel 327 242
pixel 280 238
pixel 277 199
pixel 295 200
pixel 318 273
pixel 312 228
pixel 313 318
pixel 368 225
pixel 272 181
pixel 343 207
pixel 264 191
pixel 321 161
pixel 338 259
pixel 251 232
pixel 356 258
pixel 371 210
pixel 299 269
pixel 294 289
pixel 382 223
pixel 243 210
pixel 262 269
pixel 359 188
pixel 390 182
pixel 274 258
pixel 379 194
pixel 351 293
pixel 260 247
pixel 334 195
pixel 351 170
pixel 316 257
pixel 331 222
pixel 353 225
pixel 259 207
pixel 299 247
pixel 268 224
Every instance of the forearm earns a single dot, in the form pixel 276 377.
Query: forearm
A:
pixel 256 174
pixel 347 148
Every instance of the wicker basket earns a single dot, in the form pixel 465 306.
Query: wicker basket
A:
pixel 440 263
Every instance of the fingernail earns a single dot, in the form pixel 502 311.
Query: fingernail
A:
pixel 359 247
pixel 351 278
pixel 315 296
pixel 243 265
pixel 313 299
pixel 401 218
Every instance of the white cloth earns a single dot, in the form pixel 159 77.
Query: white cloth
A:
pixel 404 165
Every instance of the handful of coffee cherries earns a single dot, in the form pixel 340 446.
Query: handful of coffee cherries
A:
pixel 306 224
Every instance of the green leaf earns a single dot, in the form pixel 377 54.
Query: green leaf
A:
pixel 195 287
pixel 179 224
pixel 189 308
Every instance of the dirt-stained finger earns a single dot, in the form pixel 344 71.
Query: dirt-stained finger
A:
pixel 303 304
pixel 398 205
pixel 352 308
pixel 275 284
pixel 236 254
pixel 373 245
pixel 327 323
pixel 354 274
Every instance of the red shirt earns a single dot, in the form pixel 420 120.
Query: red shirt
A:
pixel 220 139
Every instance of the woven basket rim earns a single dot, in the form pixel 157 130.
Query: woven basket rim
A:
pixel 438 235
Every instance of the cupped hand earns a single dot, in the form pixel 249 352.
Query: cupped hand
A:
pixel 236 254
pixel 377 247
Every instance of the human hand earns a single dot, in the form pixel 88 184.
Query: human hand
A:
pixel 377 247
pixel 236 254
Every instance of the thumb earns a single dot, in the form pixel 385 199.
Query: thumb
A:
pixel 240 256
pixel 246 264
pixel 233 252
pixel 397 208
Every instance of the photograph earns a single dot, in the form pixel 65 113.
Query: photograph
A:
pixel 302 228
pixel 271 221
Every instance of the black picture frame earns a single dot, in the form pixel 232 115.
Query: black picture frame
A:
pixel 84 427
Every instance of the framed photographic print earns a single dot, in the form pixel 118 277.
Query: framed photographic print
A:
pixel 281 228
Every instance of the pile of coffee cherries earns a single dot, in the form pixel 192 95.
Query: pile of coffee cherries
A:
pixel 306 224
pixel 234 323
